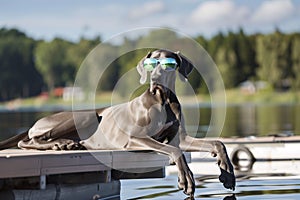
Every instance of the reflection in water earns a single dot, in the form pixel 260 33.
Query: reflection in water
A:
pixel 12 123
pixel 249 186
pixel 242 158
pixel 248 119
pixel 255 120
pixel 231 197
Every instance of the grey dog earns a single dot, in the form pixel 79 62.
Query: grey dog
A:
pixel 151 121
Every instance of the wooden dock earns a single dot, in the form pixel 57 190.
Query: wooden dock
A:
pixel 251 154
pixel 265 148
pixel 272 155
pixel 31 174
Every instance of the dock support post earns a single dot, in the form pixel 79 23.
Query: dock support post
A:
pixel 43 182
pixel 108 176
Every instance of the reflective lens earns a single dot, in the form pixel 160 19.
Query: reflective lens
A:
pixel 166 63
pixel 150 63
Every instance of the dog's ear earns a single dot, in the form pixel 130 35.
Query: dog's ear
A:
pixel 141 69
pixel 185 66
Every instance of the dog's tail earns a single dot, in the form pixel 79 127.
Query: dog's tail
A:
pixel 13 141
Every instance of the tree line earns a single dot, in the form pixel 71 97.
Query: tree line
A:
pixel 29 66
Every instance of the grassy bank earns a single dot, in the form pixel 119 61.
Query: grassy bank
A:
pixel 234 96
pixel 50 102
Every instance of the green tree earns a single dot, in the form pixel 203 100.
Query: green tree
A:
pixel 215 43
pixel 202 41
pixel 99 69
pixel 273 58
pixel 52 63
pixel 77 52
pixel 245 53
pixel 18 77
pixel 235 57
pixel 130 59
pixel 225 60
pixel 296 60
pixel 225 57
pixel 112 72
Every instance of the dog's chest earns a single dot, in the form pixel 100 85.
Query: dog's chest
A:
pixel 158 113
pixel 170 132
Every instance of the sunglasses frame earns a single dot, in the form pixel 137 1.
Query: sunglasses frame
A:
pixel 150 63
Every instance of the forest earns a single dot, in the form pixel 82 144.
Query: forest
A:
pixel 30 66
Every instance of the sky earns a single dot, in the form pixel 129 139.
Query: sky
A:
pixel 73 19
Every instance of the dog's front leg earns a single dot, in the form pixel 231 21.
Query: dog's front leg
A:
pixel 217 149
pixel 185 176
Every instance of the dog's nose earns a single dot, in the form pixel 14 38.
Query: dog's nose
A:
pixel 156 73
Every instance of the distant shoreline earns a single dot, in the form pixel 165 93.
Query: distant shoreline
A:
pixel 233 97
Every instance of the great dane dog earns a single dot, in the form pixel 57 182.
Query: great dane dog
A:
pixel 151 121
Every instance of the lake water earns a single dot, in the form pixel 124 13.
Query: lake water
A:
pixel 241 120
pixel 262 187
pixel 244 120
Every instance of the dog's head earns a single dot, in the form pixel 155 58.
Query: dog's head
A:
pixel 162 65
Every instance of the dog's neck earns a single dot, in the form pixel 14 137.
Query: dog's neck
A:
pixel 172 88
pixel 164 96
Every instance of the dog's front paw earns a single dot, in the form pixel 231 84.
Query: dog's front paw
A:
pixel 186 180
pixel 227 175
pixel 187 183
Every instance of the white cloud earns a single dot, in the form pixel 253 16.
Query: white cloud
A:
pixel 212 16
pixel 147 9
pixel 105 18
pixel 219 13
pixel 273 11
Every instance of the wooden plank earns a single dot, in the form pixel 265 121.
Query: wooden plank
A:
pixel 128 160
pixel 18 167
pixel 35 163
pixel 75 162
pixel 253 139
pixel 24 163
pixel 73 169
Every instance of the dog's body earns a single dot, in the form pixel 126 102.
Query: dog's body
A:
pixel 152 121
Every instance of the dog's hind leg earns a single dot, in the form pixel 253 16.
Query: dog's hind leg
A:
pixel 58 144
pixel 60 132
pixel 13 141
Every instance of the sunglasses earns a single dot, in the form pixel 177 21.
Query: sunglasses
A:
pixel 168 64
